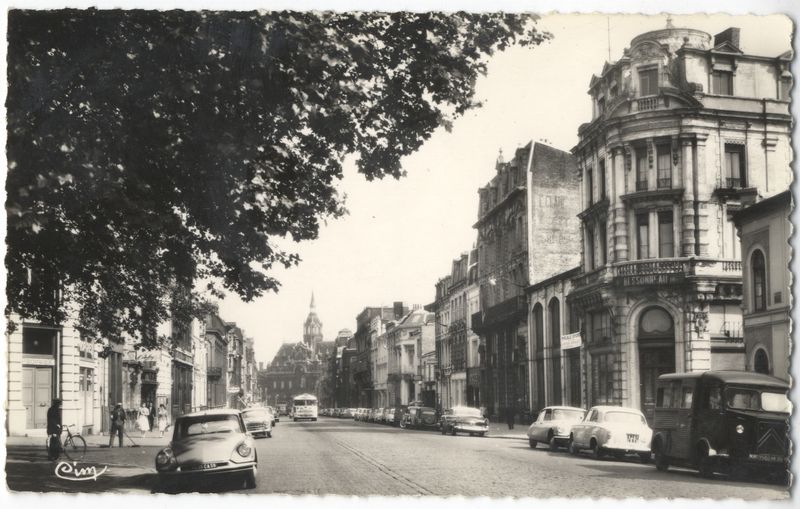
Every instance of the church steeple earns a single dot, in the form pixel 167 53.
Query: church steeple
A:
pixel 312 329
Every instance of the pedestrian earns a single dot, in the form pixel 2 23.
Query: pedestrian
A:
pixel 117 424
pixel 142 422
pixel 152 417
pixel 163 419
pixel 54 429
pixel 510 416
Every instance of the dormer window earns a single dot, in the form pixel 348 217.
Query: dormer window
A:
pixel 601 105
pixel 648 81
pixel 722 83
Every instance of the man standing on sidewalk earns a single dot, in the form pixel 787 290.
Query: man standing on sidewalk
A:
pixel 510 416
pixel 54 429
pixel 117 424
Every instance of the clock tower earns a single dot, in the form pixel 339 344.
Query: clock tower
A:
pixel 312 329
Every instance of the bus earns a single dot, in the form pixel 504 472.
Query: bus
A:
pixel 304 406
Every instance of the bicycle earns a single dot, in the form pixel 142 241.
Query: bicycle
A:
pixel 73 447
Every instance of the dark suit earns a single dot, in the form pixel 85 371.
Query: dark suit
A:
pixel 53 431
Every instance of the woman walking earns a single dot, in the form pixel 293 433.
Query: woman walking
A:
pixel 142 421
pixel 162 418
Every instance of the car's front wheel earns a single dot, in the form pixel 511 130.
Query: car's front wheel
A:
pixel 552 442
pixel 533 443
pixel 661 460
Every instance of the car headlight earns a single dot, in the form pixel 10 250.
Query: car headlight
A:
pixel 739 429
pixel 244 450
pixel 165 460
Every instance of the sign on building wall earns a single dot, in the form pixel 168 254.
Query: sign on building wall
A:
pixel 571 341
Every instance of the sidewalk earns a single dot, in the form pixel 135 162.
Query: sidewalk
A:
pixel 152 439
pixel 122 469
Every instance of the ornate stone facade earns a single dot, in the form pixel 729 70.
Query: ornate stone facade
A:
pixel 663 166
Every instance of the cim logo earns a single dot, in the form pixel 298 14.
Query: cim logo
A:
pixel 72 472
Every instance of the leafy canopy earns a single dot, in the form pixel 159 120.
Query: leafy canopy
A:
pixel 150 150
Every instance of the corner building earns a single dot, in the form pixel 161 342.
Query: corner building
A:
pixel 687 129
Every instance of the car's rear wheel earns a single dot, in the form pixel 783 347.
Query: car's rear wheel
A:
pixel 269 434
pixel 533 443
pixel 597 451
pixel 453 431
pixel 482 434
pixel 573 449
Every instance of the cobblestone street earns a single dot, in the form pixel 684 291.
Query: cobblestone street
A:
pixel 334 456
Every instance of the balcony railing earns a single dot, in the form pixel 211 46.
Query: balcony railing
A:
pixel 665 183
pixel 647 103
pixel 641 185
pixel 734 183
pixel 662 271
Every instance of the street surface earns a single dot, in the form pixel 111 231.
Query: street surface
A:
pixel 337 456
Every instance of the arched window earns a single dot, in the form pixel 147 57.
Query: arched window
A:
pixel 555 323
pixel 758 266
pixel 761 362
pixel 538 327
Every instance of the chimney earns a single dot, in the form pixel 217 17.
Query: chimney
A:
pixel 730 35
pixel 398 310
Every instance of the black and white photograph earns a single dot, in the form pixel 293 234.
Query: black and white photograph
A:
pixel 513 251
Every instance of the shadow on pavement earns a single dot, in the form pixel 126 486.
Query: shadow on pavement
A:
pixel 613 468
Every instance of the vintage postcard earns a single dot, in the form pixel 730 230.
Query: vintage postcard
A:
pixel 387 252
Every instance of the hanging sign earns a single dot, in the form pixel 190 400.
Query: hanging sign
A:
pixel 571 341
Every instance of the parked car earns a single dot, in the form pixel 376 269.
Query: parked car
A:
pixel 347 413
pixel 418 416
pixel 389 416
pixel 258 421
pixel 718 421
pixel 612 430
pixel 209 444
pixel 465 420
pixel 553 426
pixel 282 409
pixel 274 413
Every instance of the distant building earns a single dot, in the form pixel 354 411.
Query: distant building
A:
pixel 407 341
pixel 765 230
pixel 217 367
pixel 296 367
pixel 527 231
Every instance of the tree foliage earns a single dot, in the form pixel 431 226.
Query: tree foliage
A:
pixel 150 150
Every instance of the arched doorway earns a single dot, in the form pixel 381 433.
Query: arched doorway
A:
pixel 656 341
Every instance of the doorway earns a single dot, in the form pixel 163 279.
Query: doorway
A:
pixel 656 341
pixel 37 393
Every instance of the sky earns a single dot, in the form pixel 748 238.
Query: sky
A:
pixel 401 236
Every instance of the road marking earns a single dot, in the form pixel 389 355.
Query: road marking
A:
pixel 386 470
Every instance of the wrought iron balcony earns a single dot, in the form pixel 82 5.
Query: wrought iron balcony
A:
pixel 664 183
pixel 641 185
